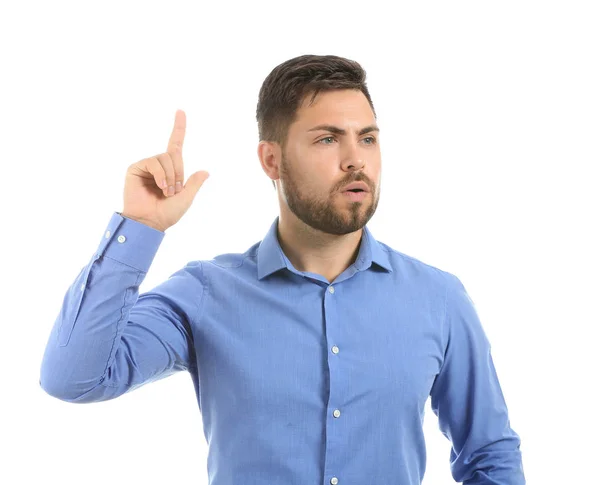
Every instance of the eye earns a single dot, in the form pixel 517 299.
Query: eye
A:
pixel 327 138
pixel 372 138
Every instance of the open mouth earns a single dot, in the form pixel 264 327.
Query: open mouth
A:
pixel 355 195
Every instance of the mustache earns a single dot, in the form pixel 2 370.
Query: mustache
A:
pixel 356 179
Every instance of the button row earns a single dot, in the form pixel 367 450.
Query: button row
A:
pixel 336 412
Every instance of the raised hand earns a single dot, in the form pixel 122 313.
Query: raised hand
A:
pixel 154 192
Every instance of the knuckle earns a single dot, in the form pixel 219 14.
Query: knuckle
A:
pixel 156 163
pixel 167 163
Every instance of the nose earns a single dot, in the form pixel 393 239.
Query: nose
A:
pixel 352 158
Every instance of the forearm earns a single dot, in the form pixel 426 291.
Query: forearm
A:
pixel 87 332
pixel 85 337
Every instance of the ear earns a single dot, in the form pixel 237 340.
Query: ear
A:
pixel 269 154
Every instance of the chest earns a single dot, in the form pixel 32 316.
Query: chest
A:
pixel 264 354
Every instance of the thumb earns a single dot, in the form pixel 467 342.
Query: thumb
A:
pixel 193 184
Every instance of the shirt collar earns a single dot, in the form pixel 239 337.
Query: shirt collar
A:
pixel 271 258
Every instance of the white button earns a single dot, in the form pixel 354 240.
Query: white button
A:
pixel 333 481
pixel 107 235
pixel 82 286
pixel 331 289
pixel 121 239
pixel 335 349
pixel 336 413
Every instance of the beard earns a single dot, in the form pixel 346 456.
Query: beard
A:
pixel 327 214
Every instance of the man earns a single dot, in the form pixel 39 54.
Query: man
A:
pixel 313 352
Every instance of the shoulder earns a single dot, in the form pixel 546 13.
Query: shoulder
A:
pixel 416 269
pixel 226 263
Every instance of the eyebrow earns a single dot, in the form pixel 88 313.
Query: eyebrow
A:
pixel 340 131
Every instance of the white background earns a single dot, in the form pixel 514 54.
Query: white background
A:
pixel 489 116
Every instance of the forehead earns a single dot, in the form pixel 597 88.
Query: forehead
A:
pixel 342 107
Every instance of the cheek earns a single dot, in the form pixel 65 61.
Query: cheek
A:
pixel 314 171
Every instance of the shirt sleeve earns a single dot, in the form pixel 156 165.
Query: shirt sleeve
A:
pixel 107 340
pixel 468 401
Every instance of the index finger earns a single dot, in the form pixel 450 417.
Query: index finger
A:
pixel 175 145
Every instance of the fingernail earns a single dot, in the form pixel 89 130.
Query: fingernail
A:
pixel 171 190
pixel 177 187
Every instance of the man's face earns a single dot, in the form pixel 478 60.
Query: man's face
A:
pixel 317 164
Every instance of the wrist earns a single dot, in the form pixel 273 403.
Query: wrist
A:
pixel 146 222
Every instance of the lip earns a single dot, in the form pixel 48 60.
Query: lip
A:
pixel 356 185
pixel 355 196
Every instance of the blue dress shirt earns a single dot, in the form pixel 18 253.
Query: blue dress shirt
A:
pixel 299 381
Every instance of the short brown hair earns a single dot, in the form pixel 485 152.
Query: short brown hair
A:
pixel 284 89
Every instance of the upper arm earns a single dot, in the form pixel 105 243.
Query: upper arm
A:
pixel 467 398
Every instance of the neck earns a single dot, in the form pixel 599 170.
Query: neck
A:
pixel 311 250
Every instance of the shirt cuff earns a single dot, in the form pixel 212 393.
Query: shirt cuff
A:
pixel 130 242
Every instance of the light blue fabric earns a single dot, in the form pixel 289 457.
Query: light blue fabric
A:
pixel 299 381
